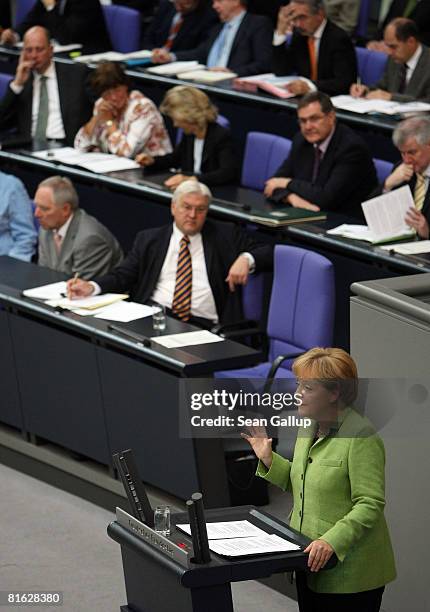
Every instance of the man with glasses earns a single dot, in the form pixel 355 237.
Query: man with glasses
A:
pixel 319 51
pixel 329 168
pixel 191 267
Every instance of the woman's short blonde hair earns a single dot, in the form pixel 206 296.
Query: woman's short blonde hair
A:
pixel 184 103
pixel 333 367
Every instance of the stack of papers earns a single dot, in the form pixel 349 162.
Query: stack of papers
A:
pixel 92 303
pixel 206 76
pixel 175 68
pixel 57 47
pixel 409 248
pixel 95 162
pixel 187 339
pixel 113 56
pixel 268 82
pixel 386 107
pixel 239 538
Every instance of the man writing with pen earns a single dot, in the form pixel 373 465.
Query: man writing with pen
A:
pixel 192 266
pixel 70 240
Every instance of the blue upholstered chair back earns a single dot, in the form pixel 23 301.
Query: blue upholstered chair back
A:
pixel 371 65
pixel 22 8
pixel 383 169
pixel 301 313
pixel 264 153
pixel 363 19
pixel 123 25
pixel 5 79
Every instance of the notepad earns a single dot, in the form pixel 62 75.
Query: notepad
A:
pixel 93 302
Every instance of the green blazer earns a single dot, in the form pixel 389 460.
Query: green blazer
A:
pixel 338 487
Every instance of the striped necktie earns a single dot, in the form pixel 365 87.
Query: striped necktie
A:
pixel 420 191
pixel 174 29
pixel 43 111
pixel 312 58
pixel 181 305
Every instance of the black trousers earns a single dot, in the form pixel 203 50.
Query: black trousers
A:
pixel 309 601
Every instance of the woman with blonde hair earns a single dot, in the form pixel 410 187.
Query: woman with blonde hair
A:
pixel 337 480
pixel 205 151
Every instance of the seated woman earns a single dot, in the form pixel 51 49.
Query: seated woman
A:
pixel 205 150
pixel 337 480
pixel 124 122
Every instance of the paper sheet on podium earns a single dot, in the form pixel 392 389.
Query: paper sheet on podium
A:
pixel 239 547
pixel 228 529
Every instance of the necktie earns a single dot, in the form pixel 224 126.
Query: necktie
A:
pixel 402 78
pixel 420 191
pixel 57 242
pixel 217 49
pixel 42 115
pixel 181 305
pixel 174 29
pixel 317 161
pixel 409 7
pixel 312 58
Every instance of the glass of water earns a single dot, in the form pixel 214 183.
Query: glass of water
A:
pixel 158 317
pixel 162 520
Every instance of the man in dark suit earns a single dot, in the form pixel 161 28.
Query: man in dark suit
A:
pixel 412 138
pixel 319 51
pixel 407 73
pixel 219 257
pixel 45 101
pixel 68 21
pixel 241 43
pixel 177 26
pixel 329 168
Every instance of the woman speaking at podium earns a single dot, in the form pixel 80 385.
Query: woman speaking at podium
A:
pixel 337 480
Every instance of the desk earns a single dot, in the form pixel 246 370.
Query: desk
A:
pixel 249 111
pixel 125 204
pixel 73 382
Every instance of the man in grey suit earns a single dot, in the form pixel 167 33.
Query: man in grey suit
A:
pixel 407 73
pixel 70 240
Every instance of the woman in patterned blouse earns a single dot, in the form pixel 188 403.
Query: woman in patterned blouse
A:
pixel 124 122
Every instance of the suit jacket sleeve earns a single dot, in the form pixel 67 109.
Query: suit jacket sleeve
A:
pixel 8 109
pixel 343 63
pixel 222 167
pixel 284 57
pixel 262 253
pixel 261 50
pixel 126 275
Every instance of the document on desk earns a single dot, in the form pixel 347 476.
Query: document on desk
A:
pixel 53 291
pixel 385 215
pixel 240 547
pixel 187 339
pixel 96 162
pixel 409 248
pixel 124 312
pixel 206 76
pixel 174 68
pixel 93 302
pixel 228 529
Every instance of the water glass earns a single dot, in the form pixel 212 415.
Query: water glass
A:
pixel 162 520
pixel 158 317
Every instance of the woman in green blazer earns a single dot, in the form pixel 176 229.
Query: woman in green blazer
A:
pixel 337 480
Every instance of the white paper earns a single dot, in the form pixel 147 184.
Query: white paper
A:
pixel 91 303
pixel 385 215
pixel 175 68
pixel 96 162
pixel 108 56
pixel 228 529
pixel 206 76
pixel 386 107
pixel 355 232
pixel 409 248
pixel 187 339
pixel 237 547
pixel 124 312
pixel 57 47
pixel 53 291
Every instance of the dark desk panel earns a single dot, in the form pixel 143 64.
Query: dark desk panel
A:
pixel 10 406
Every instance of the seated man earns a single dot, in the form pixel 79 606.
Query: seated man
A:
pixel 70 240
pixel 329 168
pixel 45 100
pixel 241 43
pixel 178 26
pixel 418 11
pixel 319 50
pixel 18 236
pixel 191 266
pixel 407 73
pixel 412 138
pixel 68 21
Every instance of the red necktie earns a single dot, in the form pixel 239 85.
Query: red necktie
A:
pixel 312 58
pixel 174 29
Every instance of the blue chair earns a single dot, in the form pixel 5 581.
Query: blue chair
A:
pixel 301 312
pixel 383 169
pixel 264 153
pixel 5 79
pixel 363 19
pixel 22 8
pixel 221 120
pixel 371 65
pixel 123 25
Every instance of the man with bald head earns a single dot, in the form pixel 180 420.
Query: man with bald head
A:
pixel 45 101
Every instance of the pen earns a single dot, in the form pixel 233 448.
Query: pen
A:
pixel 75 278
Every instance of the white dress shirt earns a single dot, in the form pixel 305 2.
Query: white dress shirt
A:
pixel 199 143
pixel 411 64
pixel 62 231
pixel 202 300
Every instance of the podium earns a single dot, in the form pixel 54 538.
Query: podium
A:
pixel 160 575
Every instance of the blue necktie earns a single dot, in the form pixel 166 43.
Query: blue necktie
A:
pixel 217 48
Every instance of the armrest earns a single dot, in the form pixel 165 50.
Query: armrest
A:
pixel 242 328
pixel 275 367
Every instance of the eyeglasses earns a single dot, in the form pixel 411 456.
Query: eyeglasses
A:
pixel 311 119
pixel 197 209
